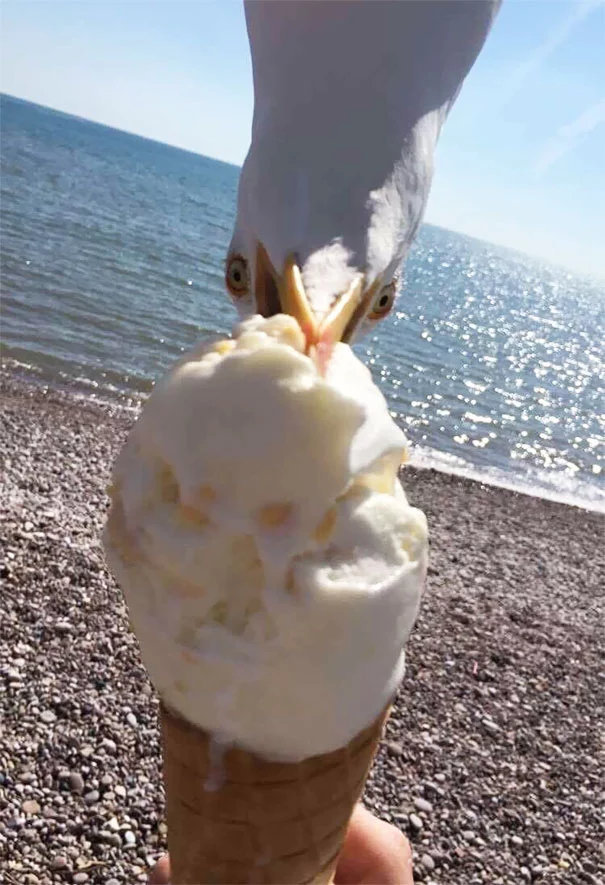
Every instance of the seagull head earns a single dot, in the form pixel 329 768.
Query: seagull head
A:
pixel 257 286
pixel 322 227
pixel 347 111
pixel 323 216
pixel 323 221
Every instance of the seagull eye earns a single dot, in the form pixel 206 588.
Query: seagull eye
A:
pixel 383 301
pixel 236 276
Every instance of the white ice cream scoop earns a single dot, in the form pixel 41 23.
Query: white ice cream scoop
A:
pixel 271 563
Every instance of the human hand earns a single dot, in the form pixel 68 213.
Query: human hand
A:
pixel 374 853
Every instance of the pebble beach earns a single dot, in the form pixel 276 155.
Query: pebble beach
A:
pixel 492 759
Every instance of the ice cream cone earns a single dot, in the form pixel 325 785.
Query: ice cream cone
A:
pixel 273 570
pixel 234 817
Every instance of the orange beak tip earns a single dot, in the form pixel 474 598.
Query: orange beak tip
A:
pixel 323 353
pixel 310 332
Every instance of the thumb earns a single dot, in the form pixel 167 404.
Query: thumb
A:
pixel 374 853
pixel 160 874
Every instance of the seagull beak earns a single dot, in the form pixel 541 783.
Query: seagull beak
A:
pixel 294 301
pixel 286 294
pixel 346 313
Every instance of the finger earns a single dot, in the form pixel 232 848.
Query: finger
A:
pixel 374 853
pixel 160 874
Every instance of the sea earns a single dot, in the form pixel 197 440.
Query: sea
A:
pixel 112 264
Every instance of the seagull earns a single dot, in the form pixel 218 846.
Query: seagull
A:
pixel 349 101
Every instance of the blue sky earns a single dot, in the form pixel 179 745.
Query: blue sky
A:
pixel 520 161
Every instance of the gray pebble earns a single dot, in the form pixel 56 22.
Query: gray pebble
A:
pixel 415 822
pixel 80 878
pixel 92 797
pixel 30 806
pixel 48 716
pixel 423 804
pixel 59 862
pixel 433 789
pixel 76 783
pixel 132 720
pixel 129 838
pixel 517 841
pixel 427 862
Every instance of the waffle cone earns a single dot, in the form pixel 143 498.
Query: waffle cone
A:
pixel 234 817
